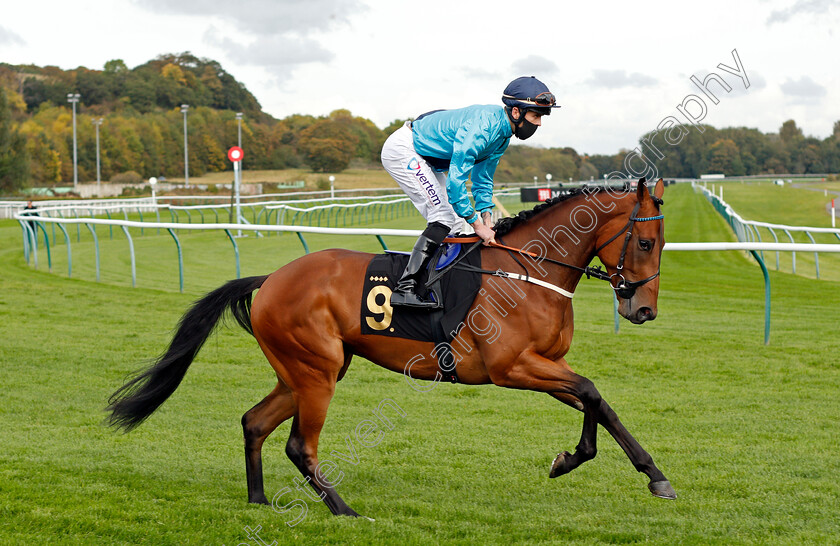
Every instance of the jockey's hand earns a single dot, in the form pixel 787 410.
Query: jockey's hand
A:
pixel 485 232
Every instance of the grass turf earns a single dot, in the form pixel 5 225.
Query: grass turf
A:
pixel 746 433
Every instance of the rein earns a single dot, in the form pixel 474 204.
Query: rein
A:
pixel 624 289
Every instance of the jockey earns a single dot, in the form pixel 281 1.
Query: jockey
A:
pixel 432 157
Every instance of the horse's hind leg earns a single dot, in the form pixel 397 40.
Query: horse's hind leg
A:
pixel 257 424
pixel 302 447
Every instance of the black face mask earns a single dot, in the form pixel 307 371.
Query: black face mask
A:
pixel 524 129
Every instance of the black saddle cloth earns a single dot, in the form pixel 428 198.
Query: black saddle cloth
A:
pixel 457 289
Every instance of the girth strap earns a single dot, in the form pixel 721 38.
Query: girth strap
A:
pixel 538 282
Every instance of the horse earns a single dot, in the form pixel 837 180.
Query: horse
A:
pixel 306 318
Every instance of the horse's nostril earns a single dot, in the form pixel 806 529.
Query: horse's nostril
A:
pixel 645 313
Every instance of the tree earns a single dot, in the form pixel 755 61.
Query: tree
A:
pixel 327 155
pixel 140 92
pixel 561 165
pixel 789 132
pixel 328 145
pixel 588 171
pixel 725 158
pixel 94 87
pixel 369 137
pixel 396 124
pixel 40 90
pixel 14 159
pixel 115 66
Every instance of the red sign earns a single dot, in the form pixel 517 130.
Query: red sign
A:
pixel 235 154
pixel 543 194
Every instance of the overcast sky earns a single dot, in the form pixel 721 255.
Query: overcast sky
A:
pixel 617 68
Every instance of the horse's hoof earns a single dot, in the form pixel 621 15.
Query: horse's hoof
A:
pixel 353 514
pixel 259 500
pixel 662 489
pixel 560 465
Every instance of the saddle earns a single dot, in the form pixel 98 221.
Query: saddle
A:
pixel 455 287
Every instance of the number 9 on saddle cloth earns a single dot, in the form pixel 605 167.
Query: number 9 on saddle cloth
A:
pixel 456 289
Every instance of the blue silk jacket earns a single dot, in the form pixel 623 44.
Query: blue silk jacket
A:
pixel 471 140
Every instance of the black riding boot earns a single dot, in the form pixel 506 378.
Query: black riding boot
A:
pixel 405 294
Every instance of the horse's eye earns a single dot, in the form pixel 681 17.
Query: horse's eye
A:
pixel 645 244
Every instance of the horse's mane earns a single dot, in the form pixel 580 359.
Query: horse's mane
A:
pixel 505 225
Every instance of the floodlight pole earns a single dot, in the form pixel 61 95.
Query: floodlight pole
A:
pixel 184 108
pixel 239 136
pixel 73 98
pixel 97 123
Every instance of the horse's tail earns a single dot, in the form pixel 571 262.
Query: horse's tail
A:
pixel 132 403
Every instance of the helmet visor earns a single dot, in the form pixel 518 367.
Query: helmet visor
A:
pixel 545 98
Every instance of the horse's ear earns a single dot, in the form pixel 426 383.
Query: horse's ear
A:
pixel 659 189
pixel 641 190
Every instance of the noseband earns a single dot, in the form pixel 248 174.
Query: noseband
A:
pixel 624 289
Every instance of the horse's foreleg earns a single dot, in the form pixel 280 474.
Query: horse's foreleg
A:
pixel 641 459
pixel 302 447
pixel 257 424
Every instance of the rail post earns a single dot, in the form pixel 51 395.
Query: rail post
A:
pixel 180 259
pixel 235 252
pixel 95 248
pixel 69 252
pixel 131 252
pixel 766 296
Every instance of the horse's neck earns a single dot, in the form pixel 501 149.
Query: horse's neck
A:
pixel 567 232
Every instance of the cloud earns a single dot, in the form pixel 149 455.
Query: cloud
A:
pixel 273 34
pixel 279 51
pixel 534 65
pixel 474 73
pixel 7 37
pixel 801 7
pixel 803 88
pixel 616 79
pixel 757 82
pixel 265 17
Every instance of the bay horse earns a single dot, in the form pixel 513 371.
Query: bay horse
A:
pixel 306 319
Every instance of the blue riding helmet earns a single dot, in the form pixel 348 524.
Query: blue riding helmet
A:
pixel 529 93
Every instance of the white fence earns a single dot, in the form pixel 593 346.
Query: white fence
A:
pixel 749 231
pixel 31 245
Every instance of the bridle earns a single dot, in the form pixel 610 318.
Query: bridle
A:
pixel 624 289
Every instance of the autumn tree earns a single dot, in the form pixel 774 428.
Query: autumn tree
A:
pixel 789 132
pixel 393 126
pixel 725 158
pixel 369 138
pixel 14 160
pixel 831 150
pixel 328 145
